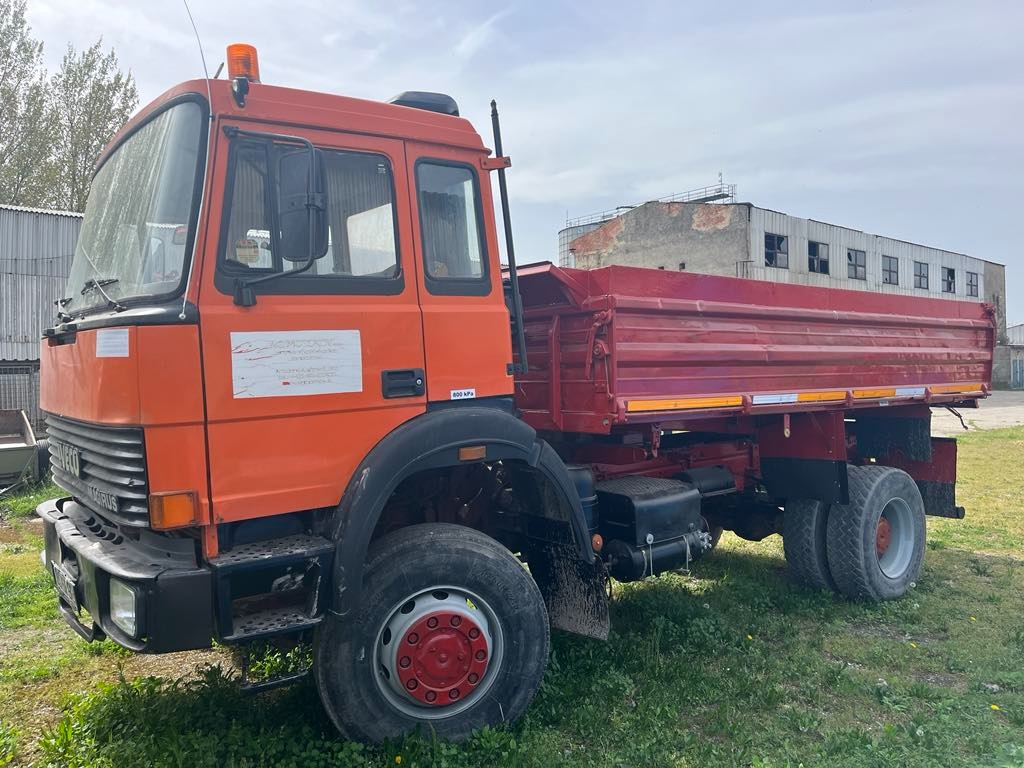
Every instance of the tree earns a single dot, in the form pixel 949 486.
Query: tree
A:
pixel 89 100
pixel 52 129
pixel 25 138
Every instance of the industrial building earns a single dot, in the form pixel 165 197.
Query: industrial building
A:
pixel 1015 345
pixel 705 231
pixel 36 249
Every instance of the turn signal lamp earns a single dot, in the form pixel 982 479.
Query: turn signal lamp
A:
pixel 173 510
pixel 243 62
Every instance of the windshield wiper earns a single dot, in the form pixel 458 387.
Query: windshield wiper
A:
pixel 62 316
pixel 98 285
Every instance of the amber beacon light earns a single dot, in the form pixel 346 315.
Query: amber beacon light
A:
pixel 243 62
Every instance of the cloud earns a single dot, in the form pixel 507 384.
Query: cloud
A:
pixel 900 118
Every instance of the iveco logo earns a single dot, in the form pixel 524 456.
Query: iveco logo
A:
pixel 66 457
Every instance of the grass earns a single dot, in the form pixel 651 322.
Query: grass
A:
pixel 733 666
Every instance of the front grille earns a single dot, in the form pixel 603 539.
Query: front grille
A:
pixel 103 467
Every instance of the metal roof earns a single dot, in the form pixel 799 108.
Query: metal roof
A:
pixel 26 209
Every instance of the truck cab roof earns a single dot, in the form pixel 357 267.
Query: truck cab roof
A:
pixel 300 108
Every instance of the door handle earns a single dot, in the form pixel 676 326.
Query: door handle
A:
pixel 403 382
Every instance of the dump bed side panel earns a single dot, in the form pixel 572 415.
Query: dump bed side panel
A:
pixel 619 345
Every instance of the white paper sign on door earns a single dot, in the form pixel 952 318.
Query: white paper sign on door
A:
pixel 289 363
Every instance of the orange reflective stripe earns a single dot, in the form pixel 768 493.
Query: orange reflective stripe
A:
pixel 683 403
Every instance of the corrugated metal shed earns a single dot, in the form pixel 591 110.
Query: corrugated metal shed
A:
pixel 1015 334
pixel 36 248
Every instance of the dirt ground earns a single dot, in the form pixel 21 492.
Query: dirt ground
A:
pixel 1002 409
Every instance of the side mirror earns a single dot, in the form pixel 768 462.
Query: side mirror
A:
pixel 300 179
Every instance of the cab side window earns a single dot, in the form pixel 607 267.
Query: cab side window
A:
pixel 248 236
pixel 451 223
pixel 362 253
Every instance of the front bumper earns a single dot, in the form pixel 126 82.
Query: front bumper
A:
pixel 174 594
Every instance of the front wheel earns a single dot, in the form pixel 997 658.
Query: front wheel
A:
pixel 452 635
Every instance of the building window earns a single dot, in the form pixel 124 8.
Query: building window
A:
pixel 856 264
pixel 817 257
pixel 921 275
pixel 972 283
pixel 948 280
pixel 890 270
pixel 776 251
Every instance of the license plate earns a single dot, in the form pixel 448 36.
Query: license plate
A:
pixel 65 582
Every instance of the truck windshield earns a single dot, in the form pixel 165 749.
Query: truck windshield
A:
pixel 139 214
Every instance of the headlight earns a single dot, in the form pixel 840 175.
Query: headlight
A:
pixel 122 607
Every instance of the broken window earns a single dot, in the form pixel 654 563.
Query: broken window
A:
pixel 890 270
pixel 921 275
pixel 776 251
pixel 856 264
pixel 948 280
pixel 817 257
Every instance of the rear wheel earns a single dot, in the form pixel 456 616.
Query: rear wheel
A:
pixel 453 635
pixel 804 537
pixel 876 542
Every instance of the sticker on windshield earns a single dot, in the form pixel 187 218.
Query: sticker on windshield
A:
pixel 247 252
pixel 288 363
pixel 112 342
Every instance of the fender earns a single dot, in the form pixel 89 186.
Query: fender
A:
pixel 430 441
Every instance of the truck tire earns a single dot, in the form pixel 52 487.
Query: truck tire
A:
pixel 804 540
pixel 451 635
pixel 876 542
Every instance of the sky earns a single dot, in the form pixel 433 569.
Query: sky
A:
pixel 902 119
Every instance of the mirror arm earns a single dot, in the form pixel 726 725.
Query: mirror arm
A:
pixel 244 295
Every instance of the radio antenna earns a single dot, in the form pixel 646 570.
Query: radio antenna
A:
pixel 206 163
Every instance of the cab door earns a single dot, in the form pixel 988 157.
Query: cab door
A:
pixel 465 321
pixel 300 386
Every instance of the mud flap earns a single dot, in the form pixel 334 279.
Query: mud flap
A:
pixel 573 590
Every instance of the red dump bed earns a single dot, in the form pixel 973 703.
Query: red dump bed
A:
pixel 623 345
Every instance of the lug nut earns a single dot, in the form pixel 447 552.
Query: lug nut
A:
pixel 474 633
pixel 473 677
pixel 453 693
pixel 456 620
pixel 404 662
pixel 413 639
pixel 411 685
pixel 481 655
pixel 432 622
pixel 431 696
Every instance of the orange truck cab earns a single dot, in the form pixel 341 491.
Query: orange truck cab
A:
pixel 281 396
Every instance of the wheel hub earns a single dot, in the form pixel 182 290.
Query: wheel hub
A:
pixel 438 652
pixel 883 536
pixel 441 657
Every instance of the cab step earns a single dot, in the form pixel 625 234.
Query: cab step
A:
pixel 260 554
pixel 270 622
pixel 272 587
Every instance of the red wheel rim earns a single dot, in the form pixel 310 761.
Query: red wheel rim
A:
pixel 441 658
pixel 883 536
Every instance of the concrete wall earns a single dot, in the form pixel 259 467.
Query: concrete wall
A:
pixel 995 293
pixel 706 238
pixel 1001 367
